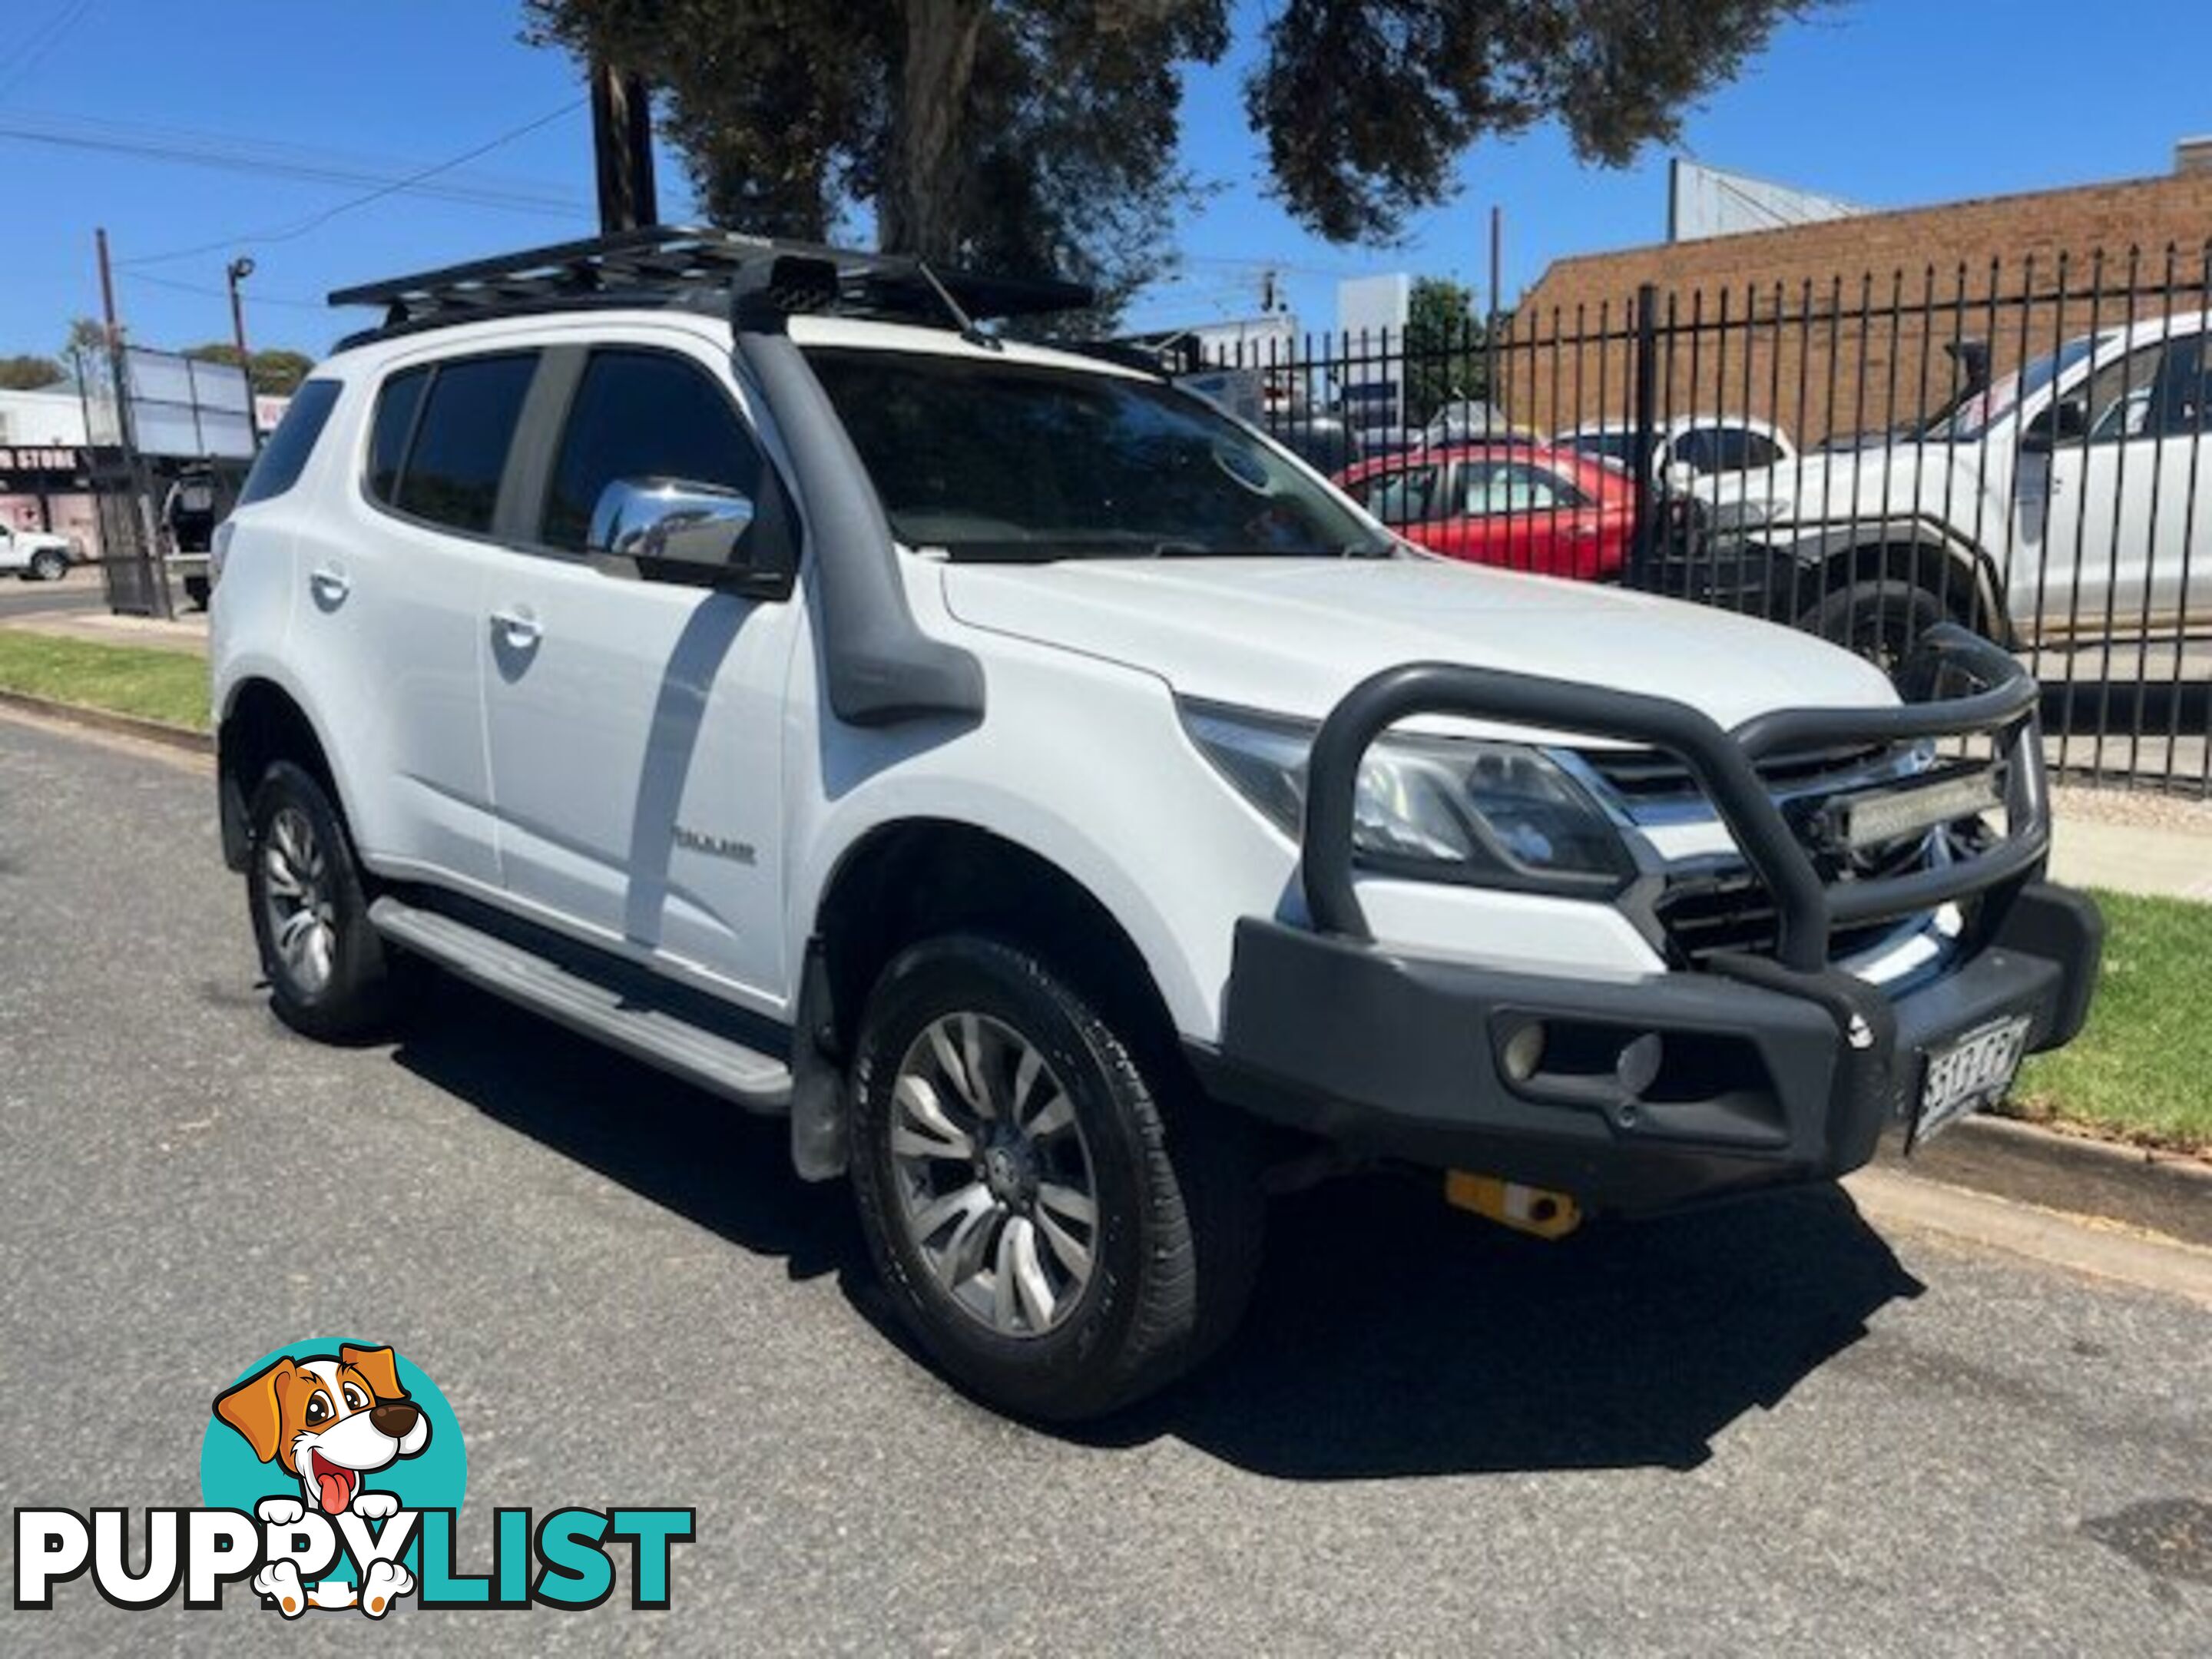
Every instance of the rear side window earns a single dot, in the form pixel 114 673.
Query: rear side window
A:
pixel 643 414
pixel 284 457
pixel 396 404
pixel 453 469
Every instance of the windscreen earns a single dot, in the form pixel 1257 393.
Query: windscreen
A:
pixel 1016 463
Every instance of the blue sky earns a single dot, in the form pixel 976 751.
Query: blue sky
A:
pixel 1883 102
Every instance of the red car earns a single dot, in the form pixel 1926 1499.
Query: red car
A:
pixel 1527 506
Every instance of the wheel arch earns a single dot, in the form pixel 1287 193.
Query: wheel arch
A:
pixel 262 723
pixel 905 880
pixel 1962 576
pixel 913 878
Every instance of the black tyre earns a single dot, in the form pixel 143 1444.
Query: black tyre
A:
pixel 49 566
pixel 196 591
pixel 329 974
pixel 1059 1228
pixel 1880 621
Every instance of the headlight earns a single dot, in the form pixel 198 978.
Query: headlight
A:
pixel 1752 512
pixel 1434 809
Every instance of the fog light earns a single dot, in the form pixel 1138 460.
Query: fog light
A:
pixel 1637 1068
pixel 1524 1051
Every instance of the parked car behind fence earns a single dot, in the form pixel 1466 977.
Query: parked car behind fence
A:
pixel 1528 507
pixel 2020 449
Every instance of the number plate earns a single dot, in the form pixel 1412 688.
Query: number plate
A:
pixel 1971 1072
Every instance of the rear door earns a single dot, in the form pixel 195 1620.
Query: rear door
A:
pixel 389 618
pixel 636 727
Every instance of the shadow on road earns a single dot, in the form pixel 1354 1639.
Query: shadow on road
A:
pixel 1389 1335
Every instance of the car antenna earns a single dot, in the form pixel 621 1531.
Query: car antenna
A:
pixel 961 320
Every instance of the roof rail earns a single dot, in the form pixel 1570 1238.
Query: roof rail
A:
pixel 661 263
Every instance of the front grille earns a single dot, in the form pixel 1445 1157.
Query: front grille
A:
pixel 1648 777
pixel 1704 917
pixel 1717 906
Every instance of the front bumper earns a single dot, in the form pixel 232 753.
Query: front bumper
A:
pixel 1764 1076
pixel 1647 1091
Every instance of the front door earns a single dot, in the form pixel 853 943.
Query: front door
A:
pixel 2113 509
pixel 636 727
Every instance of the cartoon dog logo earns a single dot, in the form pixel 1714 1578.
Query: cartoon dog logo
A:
pixel 330 1421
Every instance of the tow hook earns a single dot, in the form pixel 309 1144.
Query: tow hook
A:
pixel 1536 1209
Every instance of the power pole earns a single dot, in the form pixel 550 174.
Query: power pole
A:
pixel 622 146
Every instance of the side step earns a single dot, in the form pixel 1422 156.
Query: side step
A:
pixel 623 1016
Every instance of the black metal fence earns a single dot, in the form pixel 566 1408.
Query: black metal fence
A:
pixel 2020 447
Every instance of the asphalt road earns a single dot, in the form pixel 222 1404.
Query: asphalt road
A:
pixel 80 590
pixel 1764 1429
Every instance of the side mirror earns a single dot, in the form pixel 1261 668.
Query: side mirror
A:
pixel 672 530
pixel 2064 422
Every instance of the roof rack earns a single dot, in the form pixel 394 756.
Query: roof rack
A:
pixel 661 264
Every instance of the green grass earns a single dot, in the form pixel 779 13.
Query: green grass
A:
pixel 2142 1069
pixel 125 679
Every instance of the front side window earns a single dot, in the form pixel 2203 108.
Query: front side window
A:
pixel 1700 452
pixel 451 472
pixel 1730 449
pixel 284 457
pixel 2181 395
pixel 1759 450
pixel 1606 444
pixel 993 461
pixel 643 414
pixel 1977 414
pixel 1406 497
pixel 2119 397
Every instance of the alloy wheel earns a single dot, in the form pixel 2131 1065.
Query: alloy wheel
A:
pixel 994 1175
pixel 296 896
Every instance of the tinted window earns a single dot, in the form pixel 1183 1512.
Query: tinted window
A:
pixel 452 475
pixel 284 457
pixel 644 415
pixel 1760 450
pixel 395 419
pixel 1608 446
pixel 994 459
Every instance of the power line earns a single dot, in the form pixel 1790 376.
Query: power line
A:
pixel 316 221
pixel 255 295
pixel 43 41
pixel 239 156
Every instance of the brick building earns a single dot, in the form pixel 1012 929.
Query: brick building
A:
pixel 1840 326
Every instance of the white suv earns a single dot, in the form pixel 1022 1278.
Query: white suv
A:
pixel 1077 816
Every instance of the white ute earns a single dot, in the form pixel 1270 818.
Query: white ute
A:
pixel 34 555
pixel 1077 817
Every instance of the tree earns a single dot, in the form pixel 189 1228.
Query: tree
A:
pixel 1445 359
pixel 275 373
pixel 27 373
pixel 1039 134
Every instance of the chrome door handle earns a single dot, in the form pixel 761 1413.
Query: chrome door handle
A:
pixel 331 584
pixel 518 627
